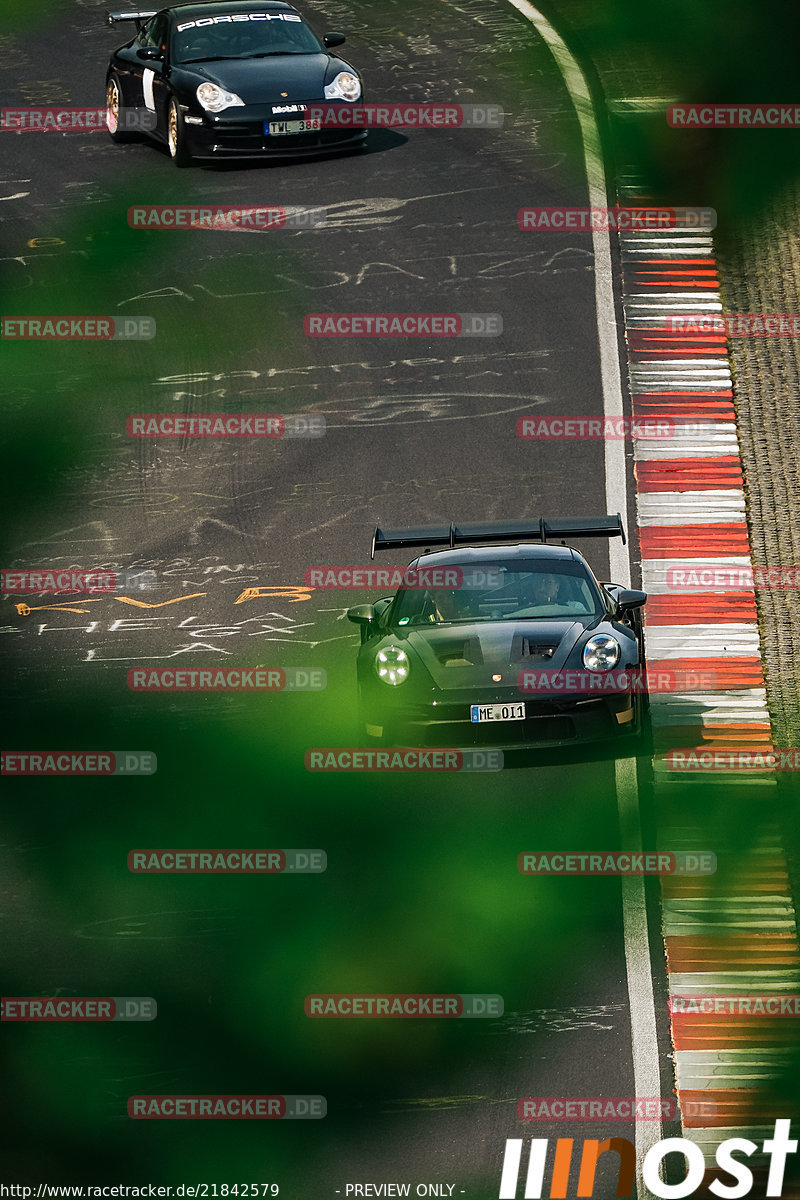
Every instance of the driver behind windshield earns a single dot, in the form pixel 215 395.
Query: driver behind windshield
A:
pixel 448 604
pixel 545 590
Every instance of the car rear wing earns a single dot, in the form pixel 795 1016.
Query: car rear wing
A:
pixel 542 530
pixel 138 17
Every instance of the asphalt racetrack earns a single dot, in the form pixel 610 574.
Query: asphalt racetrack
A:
pixel 421 891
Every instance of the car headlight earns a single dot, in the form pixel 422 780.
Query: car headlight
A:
pixel 216 99
pixel 601 652
pixel 346 86
pixel 392 665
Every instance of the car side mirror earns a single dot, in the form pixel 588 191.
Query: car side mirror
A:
pixel 365 617
pixel 362 614
pixel 150 53
pixel 627 599
pixel 334 39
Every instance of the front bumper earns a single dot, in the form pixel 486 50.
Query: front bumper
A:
pixel 228 135
pixel 444 721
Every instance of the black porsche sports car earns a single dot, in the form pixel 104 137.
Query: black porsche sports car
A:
pixel 229 80
pixel 501 645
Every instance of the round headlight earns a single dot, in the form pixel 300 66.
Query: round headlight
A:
pixel 601 652
pixel 346 86
pixel 392 665
pixel 216 99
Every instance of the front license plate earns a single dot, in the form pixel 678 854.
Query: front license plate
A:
pixel 496 712
pixel 278 128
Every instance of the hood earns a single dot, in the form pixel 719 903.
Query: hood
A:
pixel 467 655
pixel 263 80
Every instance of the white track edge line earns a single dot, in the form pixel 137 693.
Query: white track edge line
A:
pixel 644 1039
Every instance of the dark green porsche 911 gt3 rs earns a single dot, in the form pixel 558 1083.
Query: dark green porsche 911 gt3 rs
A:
pixel 495 644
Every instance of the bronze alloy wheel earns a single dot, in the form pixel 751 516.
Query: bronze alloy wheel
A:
pixel 115 111
pixel 175 138
pixel 173 129
pixel 112 106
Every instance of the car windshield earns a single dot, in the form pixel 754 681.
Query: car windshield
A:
pixel 242 35
pixel 536 590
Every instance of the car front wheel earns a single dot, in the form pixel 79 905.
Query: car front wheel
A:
pixel 176 136
pixel 115 110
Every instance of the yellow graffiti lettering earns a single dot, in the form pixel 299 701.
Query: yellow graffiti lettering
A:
pixel 162 604
pixel 294 594
pixel 25 610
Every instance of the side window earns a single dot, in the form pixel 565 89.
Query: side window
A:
pixel 154 34
pixel 147 36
